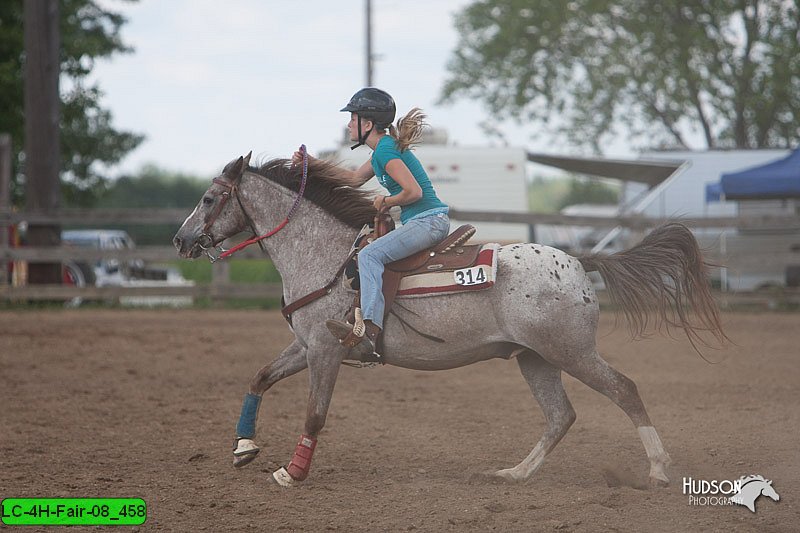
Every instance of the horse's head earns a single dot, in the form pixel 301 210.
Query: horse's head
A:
pixel 215 218
pixel 769 492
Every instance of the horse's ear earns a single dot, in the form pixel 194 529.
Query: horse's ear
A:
pixel 234 171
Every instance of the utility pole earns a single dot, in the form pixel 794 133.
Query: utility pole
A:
pixel 368 16
pixel 42 145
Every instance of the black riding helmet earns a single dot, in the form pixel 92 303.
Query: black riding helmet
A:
pixel 371 104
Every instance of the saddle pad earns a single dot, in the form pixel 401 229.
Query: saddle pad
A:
pixel 481 275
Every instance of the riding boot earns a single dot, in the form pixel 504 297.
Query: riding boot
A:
pixel 363 336
pixel 371 338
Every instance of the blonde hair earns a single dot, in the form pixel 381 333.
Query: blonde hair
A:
pixel 409 129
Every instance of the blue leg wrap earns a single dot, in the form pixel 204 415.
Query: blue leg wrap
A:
pixel 246 428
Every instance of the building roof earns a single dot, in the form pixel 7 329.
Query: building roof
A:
pixel 650 172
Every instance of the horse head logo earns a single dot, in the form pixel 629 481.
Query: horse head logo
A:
pixel 751 488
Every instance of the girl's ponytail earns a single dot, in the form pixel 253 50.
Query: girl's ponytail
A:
pixel 409 129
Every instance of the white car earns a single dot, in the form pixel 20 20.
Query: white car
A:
pixel 105 271
pixel 113 272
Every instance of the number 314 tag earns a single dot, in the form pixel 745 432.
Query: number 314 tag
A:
pixel 470 276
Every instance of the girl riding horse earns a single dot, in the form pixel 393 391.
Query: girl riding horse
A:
pixel 422 213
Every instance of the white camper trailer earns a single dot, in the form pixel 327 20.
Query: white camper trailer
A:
pixel 470 179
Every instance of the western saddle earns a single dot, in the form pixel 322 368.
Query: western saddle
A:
pixel 449 254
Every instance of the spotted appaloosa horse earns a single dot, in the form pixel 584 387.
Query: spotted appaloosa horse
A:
pixel 542 310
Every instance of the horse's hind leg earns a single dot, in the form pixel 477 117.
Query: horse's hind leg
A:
pixel 602 377
pixel 291 361
pixel 544 380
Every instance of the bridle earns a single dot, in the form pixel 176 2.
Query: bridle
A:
pixel 206 242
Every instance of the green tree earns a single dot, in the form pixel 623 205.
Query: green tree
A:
pixel 729 69
pixel 550 195
pixel 545 194
pixel 154 187
pixel 89 140
pixel 588 191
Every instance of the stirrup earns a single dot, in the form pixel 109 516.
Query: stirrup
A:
pixel 343 331
pixel 350 335
pixel 347 335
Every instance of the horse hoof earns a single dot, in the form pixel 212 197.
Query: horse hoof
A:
pixel 491 476
pixel 246 450
pixel 658 483
pixel 282 477
pixel 243 460
pixel 658 478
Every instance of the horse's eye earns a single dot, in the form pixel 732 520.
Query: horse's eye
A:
pixel 207 200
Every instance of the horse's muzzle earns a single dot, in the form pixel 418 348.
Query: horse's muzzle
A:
pixel 187 249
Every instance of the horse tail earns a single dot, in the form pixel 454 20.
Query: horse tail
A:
pixel 665 279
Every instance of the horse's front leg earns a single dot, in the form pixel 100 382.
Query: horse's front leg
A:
pixel 324 359
pixel 291 361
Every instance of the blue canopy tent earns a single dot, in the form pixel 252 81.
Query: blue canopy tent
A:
pixel 778 179
pixel 713 192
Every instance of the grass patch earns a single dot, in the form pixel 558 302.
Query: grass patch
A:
pixel 242 271
pixel 238 303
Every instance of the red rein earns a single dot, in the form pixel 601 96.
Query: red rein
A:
pixel 254 240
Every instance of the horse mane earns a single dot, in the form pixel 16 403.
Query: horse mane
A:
pixel 325 186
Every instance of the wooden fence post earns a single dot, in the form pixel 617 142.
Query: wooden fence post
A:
pixel 5 202
pixel 42 152
pixel 220 277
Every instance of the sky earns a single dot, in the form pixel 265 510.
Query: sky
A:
pixel 209 80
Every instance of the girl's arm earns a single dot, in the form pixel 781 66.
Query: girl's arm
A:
pixel 352 178
pixel 411 190
pixel 361 175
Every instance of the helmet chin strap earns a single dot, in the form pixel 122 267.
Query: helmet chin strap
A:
pixel 362 137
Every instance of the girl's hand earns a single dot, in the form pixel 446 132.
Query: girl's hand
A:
pixel 297 158
pixel 380 201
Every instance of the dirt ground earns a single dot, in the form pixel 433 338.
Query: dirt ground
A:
pixel 143 403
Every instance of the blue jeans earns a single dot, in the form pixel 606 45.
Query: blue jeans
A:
pixel 413 236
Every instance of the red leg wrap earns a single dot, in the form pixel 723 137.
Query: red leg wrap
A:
pixel 301 460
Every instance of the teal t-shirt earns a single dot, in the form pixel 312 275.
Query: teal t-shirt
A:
pixel 385 151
